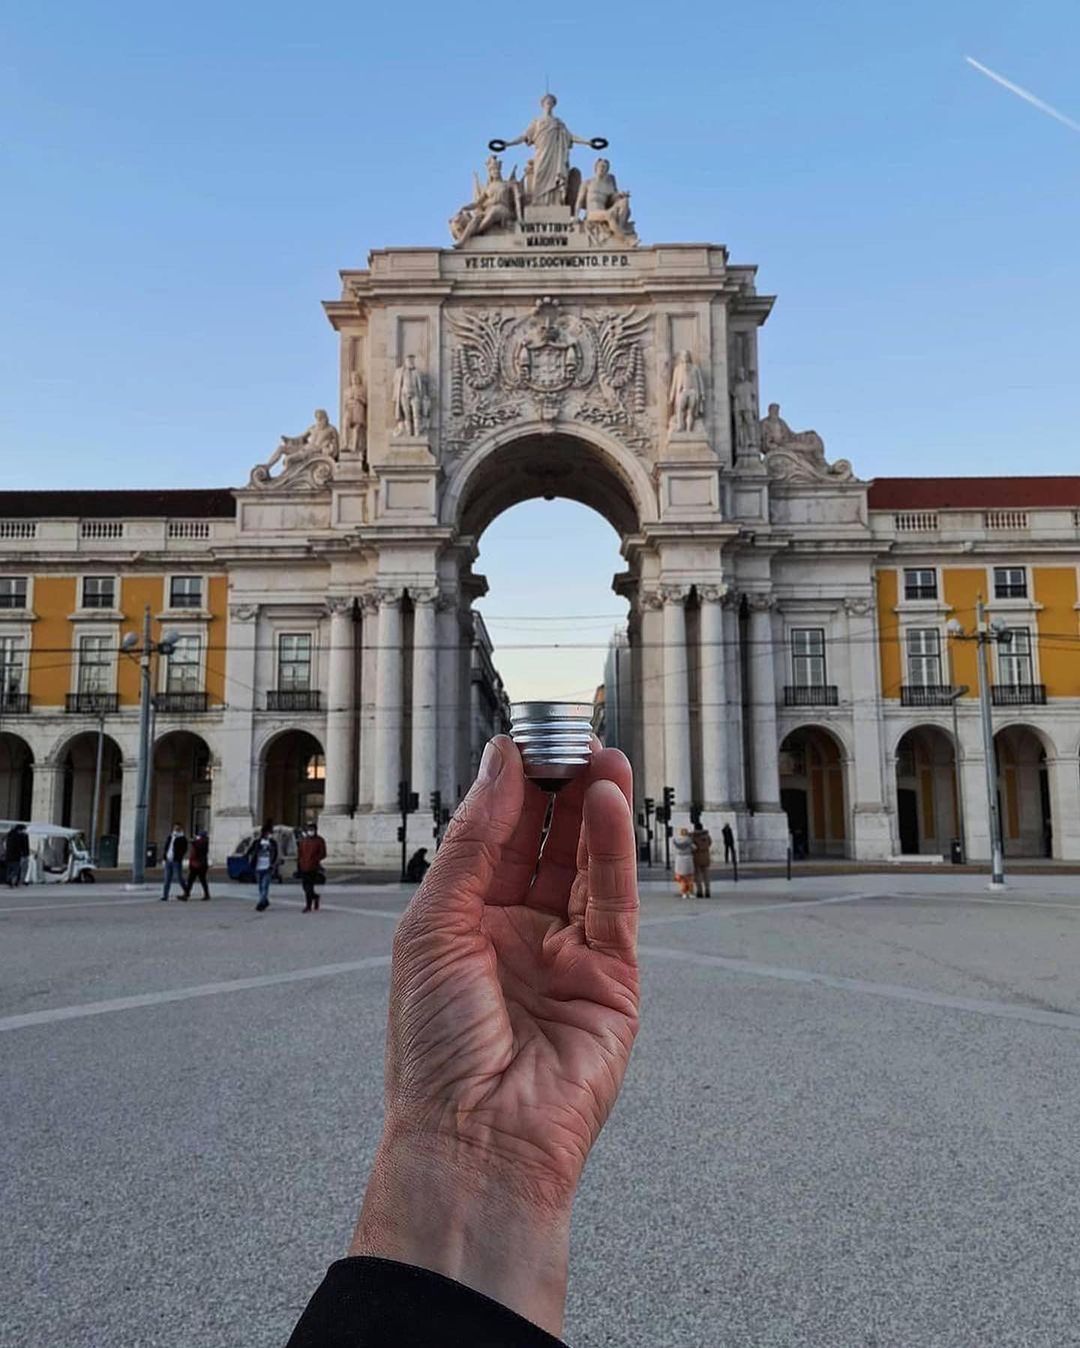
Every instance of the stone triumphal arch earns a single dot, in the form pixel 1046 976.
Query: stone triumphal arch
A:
pixel 547 352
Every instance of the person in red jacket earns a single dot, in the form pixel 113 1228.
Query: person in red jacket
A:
pixel 310 852
pixel 513 1009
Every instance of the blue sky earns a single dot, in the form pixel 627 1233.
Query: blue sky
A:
pixel 183 182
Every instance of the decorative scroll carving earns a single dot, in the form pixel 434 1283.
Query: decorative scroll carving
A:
pixel 423 596
pixel 309 458
pixel 760 603
pixel 549 365
pixel 798 456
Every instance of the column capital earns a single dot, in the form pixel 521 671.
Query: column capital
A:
pixel 386 597
pixel 674 594
pixel 426 596
pixel 650 600
pixel 858 606
pixel 760 603
pixel 447 601
pixel 713 594
pixel 243 613
pixel 339 605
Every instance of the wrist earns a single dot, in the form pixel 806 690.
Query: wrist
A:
pixel 432 1205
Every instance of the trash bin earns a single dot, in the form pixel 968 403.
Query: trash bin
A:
pixel 106 851
pixel 151 854
pixel 956 853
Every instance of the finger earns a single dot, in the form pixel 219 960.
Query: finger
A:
pixel 484 823
pixel 562 856
pixel 517 868
pixel 611 911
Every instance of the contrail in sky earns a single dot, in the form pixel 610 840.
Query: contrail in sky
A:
pixel 1022 93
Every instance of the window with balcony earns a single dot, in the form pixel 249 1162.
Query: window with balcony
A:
pixel 920 583
pixel 184 667
pixel 186 592
pixel 99 592
pixel 1016 684
pixel 1010 582
pixel 96 661
pixel 13 591
pixel 294 662
pixel 808 687
pixel 924 657
pixel 12 668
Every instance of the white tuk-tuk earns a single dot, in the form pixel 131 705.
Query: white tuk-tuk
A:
pixel 56 854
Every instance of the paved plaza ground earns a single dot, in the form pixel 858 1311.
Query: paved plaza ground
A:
pixel 851 1118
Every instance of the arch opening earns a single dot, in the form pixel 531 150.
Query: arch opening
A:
pixel 181 785
pixel 1023 792
pixel 813 792
pixel 16 777
pixel 927 792
pixel 78 770
pixel 293 779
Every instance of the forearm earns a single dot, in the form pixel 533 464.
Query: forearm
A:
pixel 428 1208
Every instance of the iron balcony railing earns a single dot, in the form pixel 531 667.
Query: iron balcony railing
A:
pixel 293 699
pixel 14 704
pixel 181 703
pixel 1018 694
pixel 811 695
pixel 92 704
pixel 927 694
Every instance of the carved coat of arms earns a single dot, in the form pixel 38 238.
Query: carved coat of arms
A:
pixel 549 365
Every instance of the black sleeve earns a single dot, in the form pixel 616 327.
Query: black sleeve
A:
pixel 377 1303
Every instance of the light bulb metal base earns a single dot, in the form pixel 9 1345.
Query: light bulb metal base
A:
pixel 554 739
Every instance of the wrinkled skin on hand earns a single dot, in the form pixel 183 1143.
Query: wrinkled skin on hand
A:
pixel 514 991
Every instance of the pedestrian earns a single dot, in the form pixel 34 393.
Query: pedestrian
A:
pixel 198 865
pixel 684 862
pixel 418 864
pixel 16 851
pixel 310 851
pixel 262 857
pixel 702 840
pixel 172 855
pixel 729 844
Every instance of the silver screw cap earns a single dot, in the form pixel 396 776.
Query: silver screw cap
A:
pixel 554 739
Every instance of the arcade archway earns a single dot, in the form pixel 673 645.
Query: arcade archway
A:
pixel 1023 792
pixel 16 777
pixel 293 779
pixel 180 789
pixel 813 792
pixel 927 804
pixel 78 771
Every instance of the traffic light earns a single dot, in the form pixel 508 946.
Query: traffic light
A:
pixel 436 805
pixel 408 801
pixel 401 833
pixel 650 805
pixel 669 801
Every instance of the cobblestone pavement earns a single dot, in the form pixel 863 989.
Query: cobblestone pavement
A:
pixel 850 1119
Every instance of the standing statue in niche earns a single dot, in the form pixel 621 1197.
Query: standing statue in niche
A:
pixel 686 397
pixel 411 402
pixel 550 140
pixel 744 405
pixel 495 205
pixel 354 421
pixel 607 210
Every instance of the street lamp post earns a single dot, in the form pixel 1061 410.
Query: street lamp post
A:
pixel 146 651
pixel 985 633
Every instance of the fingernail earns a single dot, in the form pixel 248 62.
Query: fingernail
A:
pixel 490 764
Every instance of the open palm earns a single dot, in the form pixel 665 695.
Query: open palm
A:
pixel 514 993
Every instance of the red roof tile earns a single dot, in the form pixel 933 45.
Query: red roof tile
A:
pixel 972 493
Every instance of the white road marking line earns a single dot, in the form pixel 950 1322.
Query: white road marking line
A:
pixel 56 1013
pixel 1062 1020
pixel 220 898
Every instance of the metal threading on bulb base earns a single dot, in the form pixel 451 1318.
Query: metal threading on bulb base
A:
pixel 554 739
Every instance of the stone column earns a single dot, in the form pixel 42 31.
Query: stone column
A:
pixel 865 784
pixel 448 626
pixel 736 782
pixel 651 686
pixel 765 746
pixel 235 786
pixel 425 695
pixel 713 698
pixel 677 762
pixel 340 712
pixel 369 641
pixel 1063 776
pixel 126 845
pixel 44 805
pixel 388 700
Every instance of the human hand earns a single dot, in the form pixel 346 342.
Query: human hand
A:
pixel 513 1009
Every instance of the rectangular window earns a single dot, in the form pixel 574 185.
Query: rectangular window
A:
pixel 12 653
pixel 99 592
pixel 294 662
pixel 1015 665
pixel 182 670
pixel 920 583
pixel 1010 582
pixel 808 657
pixel 96 659
pixel 185 592
pixel 12 591
pixel 924 657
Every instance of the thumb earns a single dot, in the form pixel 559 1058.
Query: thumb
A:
pixel 483 823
